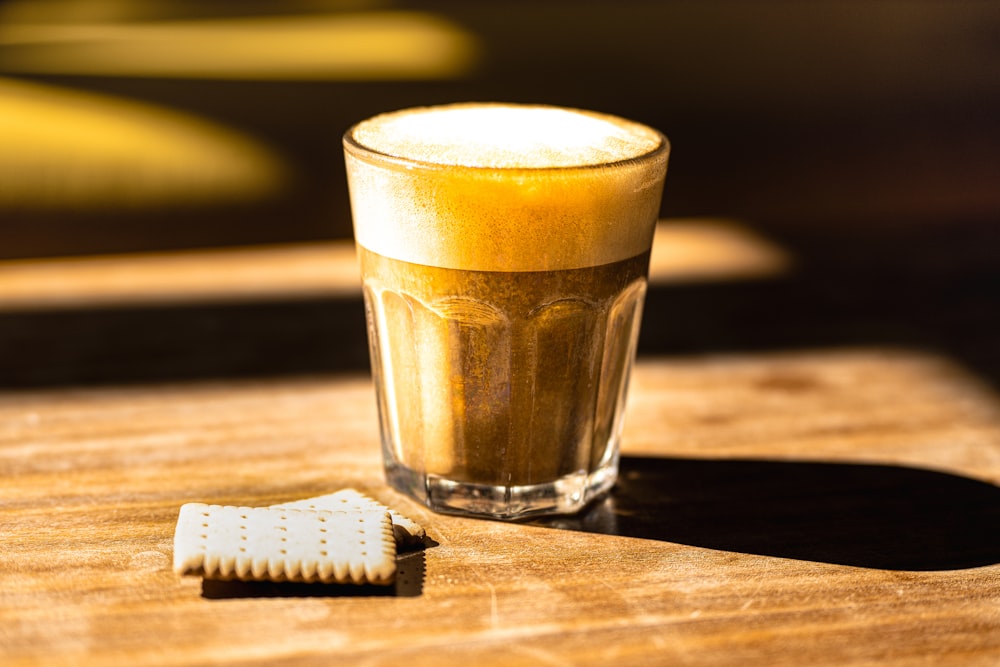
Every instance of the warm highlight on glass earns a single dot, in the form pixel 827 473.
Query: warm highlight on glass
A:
pixel 504 251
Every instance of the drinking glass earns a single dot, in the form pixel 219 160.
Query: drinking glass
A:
pixel 504 252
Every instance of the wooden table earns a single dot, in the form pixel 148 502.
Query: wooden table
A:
pixel 820 505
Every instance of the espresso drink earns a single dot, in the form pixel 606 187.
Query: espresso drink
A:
pixel 504 252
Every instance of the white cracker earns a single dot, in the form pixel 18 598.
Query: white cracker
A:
pixel 408 532
pixel 285 544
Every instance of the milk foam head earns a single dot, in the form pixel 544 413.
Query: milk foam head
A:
pixel 503 187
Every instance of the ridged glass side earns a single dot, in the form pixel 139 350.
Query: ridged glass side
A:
pixel 507 400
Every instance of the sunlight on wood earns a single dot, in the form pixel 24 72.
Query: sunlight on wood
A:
pixel 684 250
pixel 713 249
pixel 884 405
pixel 305 270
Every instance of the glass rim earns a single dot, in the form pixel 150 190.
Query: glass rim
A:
pixel 357 149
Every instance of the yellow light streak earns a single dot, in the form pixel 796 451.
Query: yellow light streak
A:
pixel 65 149
pixel 383 45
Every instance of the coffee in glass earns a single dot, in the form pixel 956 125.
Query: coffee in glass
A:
pixel 504 252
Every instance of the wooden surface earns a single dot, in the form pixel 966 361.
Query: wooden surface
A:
pixel 825 505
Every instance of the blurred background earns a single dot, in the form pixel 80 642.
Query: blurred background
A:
pixel 859 138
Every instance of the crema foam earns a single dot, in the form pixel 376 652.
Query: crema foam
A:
pixel 502 187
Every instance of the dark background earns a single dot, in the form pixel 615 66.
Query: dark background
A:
pixel 839 115
pixel 860 136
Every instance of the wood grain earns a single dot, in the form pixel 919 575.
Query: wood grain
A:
pixel 806 504
pixel 92 479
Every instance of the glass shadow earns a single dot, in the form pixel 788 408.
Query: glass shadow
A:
pixel 862 515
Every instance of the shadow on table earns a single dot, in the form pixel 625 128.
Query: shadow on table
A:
pixel 410 572
pixel 873 516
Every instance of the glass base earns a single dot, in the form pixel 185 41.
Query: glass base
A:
pixel 566 495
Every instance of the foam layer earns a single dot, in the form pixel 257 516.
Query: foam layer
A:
pixel 504 136
pixel 504 187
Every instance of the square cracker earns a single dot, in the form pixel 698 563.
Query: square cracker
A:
pixel 285 544
pixel 408 533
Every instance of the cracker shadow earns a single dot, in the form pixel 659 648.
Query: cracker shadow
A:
pixel 226 590
pixel 409 582
pixel 861 515
pixel 411 569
